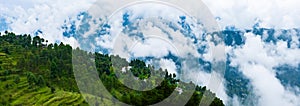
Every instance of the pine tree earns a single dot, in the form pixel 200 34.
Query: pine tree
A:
pixel 54 70
pixel 40 81
pixel 31 79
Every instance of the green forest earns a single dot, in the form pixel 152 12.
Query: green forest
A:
pixel 35 72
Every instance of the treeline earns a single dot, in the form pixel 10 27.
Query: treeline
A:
pixel 50 65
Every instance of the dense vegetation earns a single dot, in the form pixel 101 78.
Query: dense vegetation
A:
pixel 33 72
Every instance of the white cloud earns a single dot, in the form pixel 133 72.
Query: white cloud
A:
pixel 242 13
pixel 268 87
pixel 257 59
pixel 151 47
pixel 169 65
pixel 215 52
pixel 152 28
pixel 47 16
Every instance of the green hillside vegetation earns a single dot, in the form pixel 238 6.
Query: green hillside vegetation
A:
pixel 33 72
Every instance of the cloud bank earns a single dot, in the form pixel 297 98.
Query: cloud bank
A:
pixel 245 13
pixel 257 60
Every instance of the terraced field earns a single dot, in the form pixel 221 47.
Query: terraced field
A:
pixel 15 90
pixel 21 94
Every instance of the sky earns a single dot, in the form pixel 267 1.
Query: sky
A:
pixel 256 59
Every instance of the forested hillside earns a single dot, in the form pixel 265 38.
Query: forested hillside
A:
pixel 34 72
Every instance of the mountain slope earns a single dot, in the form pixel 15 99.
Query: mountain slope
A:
pixel 33 72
